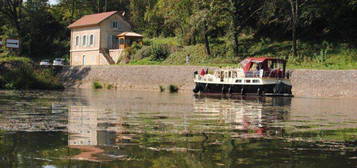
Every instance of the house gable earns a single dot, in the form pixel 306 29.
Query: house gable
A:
pixel 108 30
pixel 91 20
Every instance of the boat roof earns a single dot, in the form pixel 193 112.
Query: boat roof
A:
pixel 247 63
pixel 262 59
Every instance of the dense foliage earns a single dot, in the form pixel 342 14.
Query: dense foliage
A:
pixel 226 28
pixel 21 73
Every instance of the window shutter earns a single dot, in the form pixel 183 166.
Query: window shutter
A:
pixel 94 40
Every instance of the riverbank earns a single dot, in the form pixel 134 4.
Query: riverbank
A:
pixel 322 83
pixel 21 73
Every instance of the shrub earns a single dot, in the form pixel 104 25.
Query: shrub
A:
pixel 97 85
pixel 197 55
pixel 159 52
pixel 173 88
pixel 22 74
pixel 171 41
pixel 144 52
pixel 110 86
pixel 162 89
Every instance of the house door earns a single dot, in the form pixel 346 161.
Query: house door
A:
pixel 84 60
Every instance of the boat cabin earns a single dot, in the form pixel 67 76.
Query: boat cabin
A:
pixel 264 67
pixel 255 68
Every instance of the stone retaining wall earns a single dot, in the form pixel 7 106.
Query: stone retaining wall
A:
pixel 142 77
pixel 324 83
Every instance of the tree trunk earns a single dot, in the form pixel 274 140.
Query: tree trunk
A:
pixel 72 11
pixel 235 42
pixel 234 26
pixel 294 21
pixel 98 6
pixel 208 50
pixel 106 6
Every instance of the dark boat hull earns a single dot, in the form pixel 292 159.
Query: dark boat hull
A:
pixel 279 89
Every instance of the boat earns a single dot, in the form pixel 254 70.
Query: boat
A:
pixel 262 76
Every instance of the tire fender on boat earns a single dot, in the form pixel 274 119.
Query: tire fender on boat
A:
pixel 196 89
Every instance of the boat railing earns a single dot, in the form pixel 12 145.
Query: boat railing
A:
pixel 254 74
pixel 265 74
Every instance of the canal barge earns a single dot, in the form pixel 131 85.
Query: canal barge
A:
pixel 255 76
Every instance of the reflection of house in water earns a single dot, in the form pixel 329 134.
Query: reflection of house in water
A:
pixel 82 126
pixel 257 115
pixel 89 126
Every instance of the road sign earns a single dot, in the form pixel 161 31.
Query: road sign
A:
pixel 12 43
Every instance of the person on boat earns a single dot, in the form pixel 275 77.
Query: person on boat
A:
pixel 203 72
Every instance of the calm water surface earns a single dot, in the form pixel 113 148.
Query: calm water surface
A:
pixel 85 128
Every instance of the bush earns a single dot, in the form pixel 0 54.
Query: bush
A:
pixel 162 89
pixel 144 52
pixel 173 88
pixel 171 41
pixel 159 52
pixel 97 85
pixel 197 55
pixel 110 86
pixel 21 74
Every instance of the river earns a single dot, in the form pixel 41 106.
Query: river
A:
pixel 87 128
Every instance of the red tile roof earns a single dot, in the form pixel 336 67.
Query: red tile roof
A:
pixel 91 20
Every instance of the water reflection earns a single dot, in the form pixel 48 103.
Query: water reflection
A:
pixel 94 124
pixel 245 117
pixel 147 129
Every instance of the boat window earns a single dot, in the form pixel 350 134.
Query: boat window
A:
pixel 234 74
pixel 254 67
pixel 256 81
pixel 230 74
pixel 238 81
pixel 247 81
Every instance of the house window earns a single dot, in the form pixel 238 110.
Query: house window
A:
pixel 77 40
pixel 84 40
pixel 91 40
pixel 115 25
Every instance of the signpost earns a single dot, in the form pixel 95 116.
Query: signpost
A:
pixel 12 43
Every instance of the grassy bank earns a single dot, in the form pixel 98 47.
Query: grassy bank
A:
pixel 311 55
pixel 21 73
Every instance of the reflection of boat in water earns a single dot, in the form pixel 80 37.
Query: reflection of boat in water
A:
pixel 245 117
pixel 258 76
